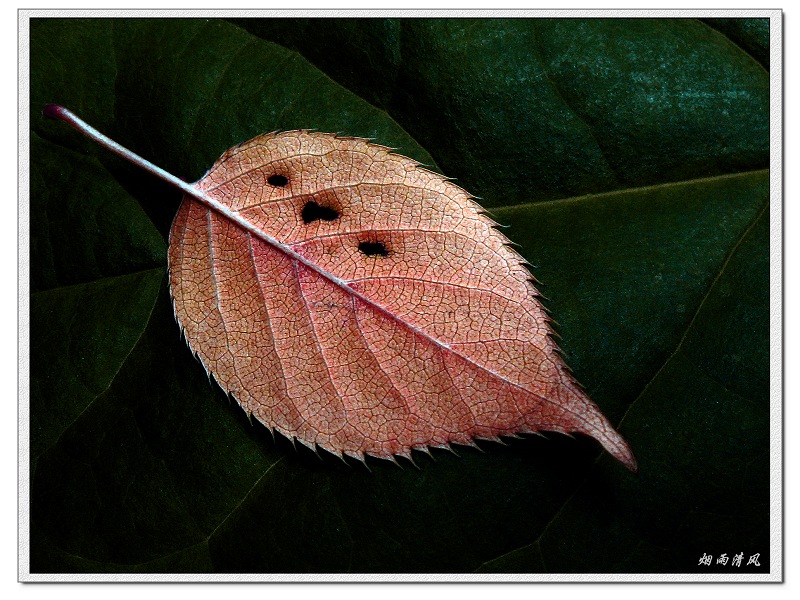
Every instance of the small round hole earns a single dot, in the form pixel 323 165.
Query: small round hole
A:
pixel 373 248
pixel 277 180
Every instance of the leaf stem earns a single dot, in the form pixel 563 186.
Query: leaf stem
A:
pixel 53 111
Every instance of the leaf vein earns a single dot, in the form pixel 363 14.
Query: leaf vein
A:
pixel 697 312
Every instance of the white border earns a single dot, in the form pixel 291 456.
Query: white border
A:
pixel 776 306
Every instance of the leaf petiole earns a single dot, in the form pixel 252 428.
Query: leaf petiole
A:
pixel 60 113
pixel 54 111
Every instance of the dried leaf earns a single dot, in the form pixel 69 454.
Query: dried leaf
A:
pixel 351 299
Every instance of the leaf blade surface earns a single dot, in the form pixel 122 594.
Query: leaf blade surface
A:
pixel 433 338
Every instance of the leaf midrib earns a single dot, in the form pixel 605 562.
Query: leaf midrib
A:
pixel 122 362
pixel 629 191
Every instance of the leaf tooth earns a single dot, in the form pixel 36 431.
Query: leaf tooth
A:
pixel 393 459
pixel 356 454
pixel 477 446
pixel 447 446
pixel 315 448
pixel 471 444
pixel 308 444
pixel 537 433
pixel 426 450
pixel 554 323
pixel 271 432
pixel 494 438
pixel 539 295
pixel 425 169
pixel 413 462
pixel 205 368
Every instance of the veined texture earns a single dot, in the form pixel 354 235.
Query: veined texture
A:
pixel 381 311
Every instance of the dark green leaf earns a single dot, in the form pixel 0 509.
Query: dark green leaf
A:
pixel 529 109
pixel 750 34
pixel 649 139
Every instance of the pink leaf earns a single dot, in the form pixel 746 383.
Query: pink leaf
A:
pixel 351 299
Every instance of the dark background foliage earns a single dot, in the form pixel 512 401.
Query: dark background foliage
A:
pixel 629 158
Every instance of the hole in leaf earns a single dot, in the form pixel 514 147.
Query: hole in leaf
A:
pixel 373 248
pixel 277 180
pixel 313 212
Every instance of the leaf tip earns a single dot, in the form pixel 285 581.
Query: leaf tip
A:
pixel 617 447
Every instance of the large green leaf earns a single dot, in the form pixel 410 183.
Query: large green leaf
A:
pixel 522 109
pixel 628 158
